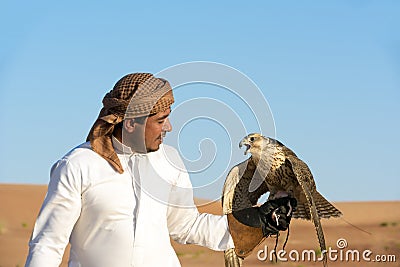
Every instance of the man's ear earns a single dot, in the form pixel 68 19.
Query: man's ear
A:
pixel 130 125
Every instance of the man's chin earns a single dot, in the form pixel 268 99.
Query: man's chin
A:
pixel 153 149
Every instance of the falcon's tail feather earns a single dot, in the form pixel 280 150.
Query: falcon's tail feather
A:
pixel 324 207
pixel 317 223
pixel 302 211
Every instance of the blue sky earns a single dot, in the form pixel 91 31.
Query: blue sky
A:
pixel 330 72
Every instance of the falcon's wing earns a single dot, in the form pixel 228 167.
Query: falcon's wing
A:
pixel 306 181
pixel 236 196
pixel 230 184
pixel 236 193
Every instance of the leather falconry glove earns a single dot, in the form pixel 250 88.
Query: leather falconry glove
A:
pixel 273 216
pixel 249 226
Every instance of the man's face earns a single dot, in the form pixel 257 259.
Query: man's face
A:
pixel 155 130
pixel 146 134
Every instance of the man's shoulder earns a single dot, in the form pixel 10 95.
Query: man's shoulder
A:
pixel 81 153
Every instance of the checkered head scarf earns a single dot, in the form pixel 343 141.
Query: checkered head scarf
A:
pixel 134 95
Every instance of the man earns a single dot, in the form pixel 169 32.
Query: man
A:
pixel 119 197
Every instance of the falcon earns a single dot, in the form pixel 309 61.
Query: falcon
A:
pixel 276 169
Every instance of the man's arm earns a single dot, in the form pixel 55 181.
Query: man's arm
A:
pixel 59 212
pixel 187 226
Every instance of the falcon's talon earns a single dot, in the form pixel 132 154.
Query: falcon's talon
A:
pixel 276 217
pixel 290 209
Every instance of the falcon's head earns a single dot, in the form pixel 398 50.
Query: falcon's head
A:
pixel 257 144
pixel 254 143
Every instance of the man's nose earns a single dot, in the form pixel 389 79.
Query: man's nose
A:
pixel 167 127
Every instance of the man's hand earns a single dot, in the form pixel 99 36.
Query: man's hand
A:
pixel 273 216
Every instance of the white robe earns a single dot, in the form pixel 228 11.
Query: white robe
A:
pixel 121 220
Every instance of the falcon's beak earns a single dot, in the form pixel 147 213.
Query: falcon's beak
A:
pixel 246 143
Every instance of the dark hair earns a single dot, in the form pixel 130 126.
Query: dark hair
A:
pixel 141 120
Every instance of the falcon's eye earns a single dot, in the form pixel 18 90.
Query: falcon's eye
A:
pixel 251 139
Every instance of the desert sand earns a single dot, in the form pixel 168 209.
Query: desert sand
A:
pixel 373 226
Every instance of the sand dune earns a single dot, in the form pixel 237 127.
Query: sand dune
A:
pixel 20 205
